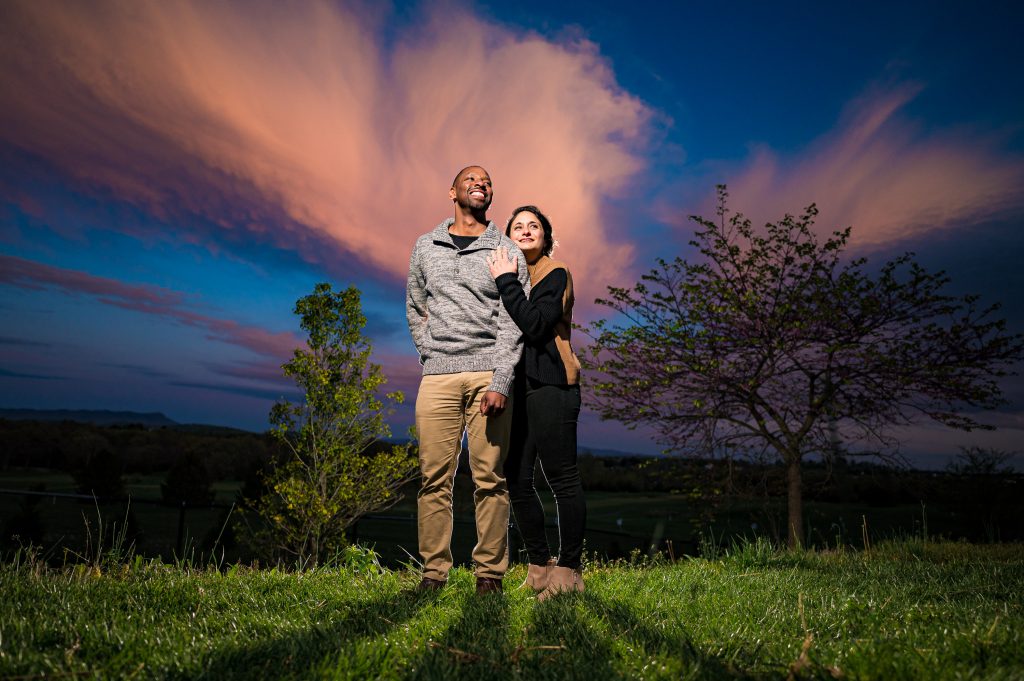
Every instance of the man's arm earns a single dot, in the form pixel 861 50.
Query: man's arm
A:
pixel 416 303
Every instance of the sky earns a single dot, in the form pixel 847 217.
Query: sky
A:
pixel 174 175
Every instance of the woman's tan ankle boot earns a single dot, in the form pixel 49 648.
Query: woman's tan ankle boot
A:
pixel 562 580
pixel 537 576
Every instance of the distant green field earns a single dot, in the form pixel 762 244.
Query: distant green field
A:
pixel 618 522
pixel 907 610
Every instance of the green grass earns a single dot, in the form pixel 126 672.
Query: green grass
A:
pixel 901 611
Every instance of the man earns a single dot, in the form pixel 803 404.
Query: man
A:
pixel 468 347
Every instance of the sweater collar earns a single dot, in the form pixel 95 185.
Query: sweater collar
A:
pixel 490 239
pixel 542 268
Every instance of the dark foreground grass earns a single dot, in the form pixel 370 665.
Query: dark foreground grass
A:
pixel 900 611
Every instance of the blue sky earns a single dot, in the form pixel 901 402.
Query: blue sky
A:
pixel 175 178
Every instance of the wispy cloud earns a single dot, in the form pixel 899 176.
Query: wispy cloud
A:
pixel 881 173
pixel 299 124
pixel 23 342
pixel 243 390
pixel 264 371
pixel 29 274
pixel 146 299
pixel 403 372
pixel 7 373
pixel 148 372
pixel 263 378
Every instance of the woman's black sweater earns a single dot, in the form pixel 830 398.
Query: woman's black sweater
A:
pixel 545 319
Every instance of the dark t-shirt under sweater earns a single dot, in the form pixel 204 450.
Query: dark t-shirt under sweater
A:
pixel 462 242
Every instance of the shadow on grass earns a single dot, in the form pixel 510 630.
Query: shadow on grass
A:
pixel 465 636
pixel 575 637
pixel 481 642
pixel 306 652
pixel 649 640
pixel 476 645
pixel 556 641
pixel 565 642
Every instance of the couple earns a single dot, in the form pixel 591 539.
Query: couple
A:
pixel 473 296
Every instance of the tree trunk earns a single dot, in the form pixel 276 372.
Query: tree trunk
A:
pixel 794 481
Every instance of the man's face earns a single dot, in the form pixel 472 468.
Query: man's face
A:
pixel 472 189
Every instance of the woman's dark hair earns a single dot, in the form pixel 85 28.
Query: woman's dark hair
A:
pixel 549 241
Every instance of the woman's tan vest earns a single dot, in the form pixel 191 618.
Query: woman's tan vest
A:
pixel 563 329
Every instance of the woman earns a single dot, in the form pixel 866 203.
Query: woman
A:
pixel 546 403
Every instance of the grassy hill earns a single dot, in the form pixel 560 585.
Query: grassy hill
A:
pixel 910 610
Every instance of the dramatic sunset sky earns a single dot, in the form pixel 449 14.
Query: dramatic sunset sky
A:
pixel 174 175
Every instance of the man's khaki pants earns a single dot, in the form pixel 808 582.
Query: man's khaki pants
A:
pixel 447 405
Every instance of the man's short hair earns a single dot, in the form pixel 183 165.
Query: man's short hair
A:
pixel 459 174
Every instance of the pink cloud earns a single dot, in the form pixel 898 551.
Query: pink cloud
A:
pixel 147 299
pixel 264 370
pixel 176 106
pixel 882 174
pixel 402 371
pixel 35 275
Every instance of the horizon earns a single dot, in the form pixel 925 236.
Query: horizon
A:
pixel 929 463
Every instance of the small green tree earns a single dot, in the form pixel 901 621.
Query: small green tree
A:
pixel 775 343
pixel 329 474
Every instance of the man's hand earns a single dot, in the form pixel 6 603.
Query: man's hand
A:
pixel 492 403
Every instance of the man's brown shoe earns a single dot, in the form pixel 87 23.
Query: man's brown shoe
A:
pixel 488 585
pixel 428 584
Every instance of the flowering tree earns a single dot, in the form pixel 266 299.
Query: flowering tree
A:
pixel 773 341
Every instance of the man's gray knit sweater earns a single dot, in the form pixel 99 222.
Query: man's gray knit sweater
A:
pixel 455 313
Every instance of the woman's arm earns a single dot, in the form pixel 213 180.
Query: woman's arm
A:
pixel 537 315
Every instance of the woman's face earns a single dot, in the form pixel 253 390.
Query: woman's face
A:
pixel 528 234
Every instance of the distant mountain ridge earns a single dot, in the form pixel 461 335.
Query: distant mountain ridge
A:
pixel 100 417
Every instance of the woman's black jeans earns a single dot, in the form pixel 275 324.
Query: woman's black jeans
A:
pixel 544 422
